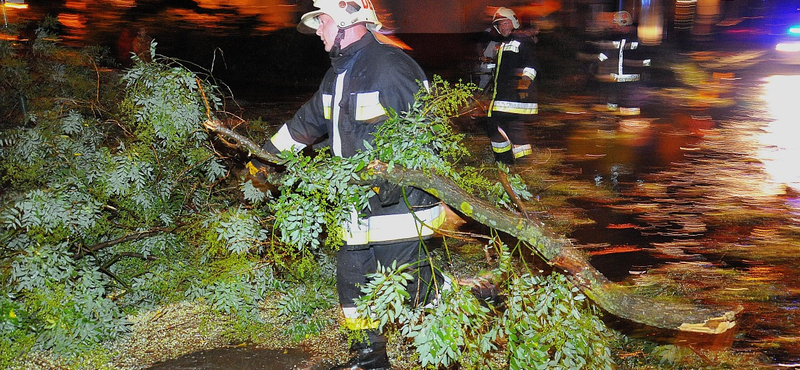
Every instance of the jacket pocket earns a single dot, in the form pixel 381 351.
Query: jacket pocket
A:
pixel 366 107
pixel 327 102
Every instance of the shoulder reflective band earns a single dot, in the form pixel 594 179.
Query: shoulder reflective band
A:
pixel 283 140
pixel 353 322
pixel 512 46
pixel 515 107
pixel 368 106
pixel 384 228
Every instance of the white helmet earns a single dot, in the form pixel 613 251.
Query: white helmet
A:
pixel 344 12
pixel 505 13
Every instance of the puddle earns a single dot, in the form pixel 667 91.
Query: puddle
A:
pixel 241 358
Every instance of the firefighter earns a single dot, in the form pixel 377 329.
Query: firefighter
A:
pixel 614 63
pixel 367 78
pixel 514 95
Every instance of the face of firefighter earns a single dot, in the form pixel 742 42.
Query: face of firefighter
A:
pixel 504 27
pixel 327 31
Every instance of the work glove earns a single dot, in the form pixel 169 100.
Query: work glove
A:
pixel 387 192
pixel 257 173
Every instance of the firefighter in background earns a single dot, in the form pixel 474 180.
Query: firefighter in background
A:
pixel 367 78
pixel 614 64
pixel 514 97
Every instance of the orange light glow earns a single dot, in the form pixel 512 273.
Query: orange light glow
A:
pixel 71 20
pixel 6 37
pixel 15 6
pixel 272 14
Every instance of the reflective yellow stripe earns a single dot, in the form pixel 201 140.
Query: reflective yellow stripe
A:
pixel 368 106
pixel 522 150
pixel 353 322
pixel 494 88
pixel 501 147
pixel 515 107
pixel 383 228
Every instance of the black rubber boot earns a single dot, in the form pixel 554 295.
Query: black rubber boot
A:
pixel 505 158
pixel 369 355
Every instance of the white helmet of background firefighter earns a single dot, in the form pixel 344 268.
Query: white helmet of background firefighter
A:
pixel 345 13
pixel 505 13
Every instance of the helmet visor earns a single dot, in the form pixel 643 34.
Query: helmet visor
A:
pixel 309 23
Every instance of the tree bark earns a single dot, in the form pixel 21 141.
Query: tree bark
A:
pixel 555 249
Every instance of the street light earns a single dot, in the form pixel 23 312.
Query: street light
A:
pixel 13 4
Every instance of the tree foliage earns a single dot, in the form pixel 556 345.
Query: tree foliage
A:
pixel 110 200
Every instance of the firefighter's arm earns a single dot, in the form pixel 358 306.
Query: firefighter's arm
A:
pixel 303 128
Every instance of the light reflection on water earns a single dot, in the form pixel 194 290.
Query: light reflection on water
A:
pixel 710 205
pixel 780 149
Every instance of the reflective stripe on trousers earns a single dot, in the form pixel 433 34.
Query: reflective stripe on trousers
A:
pixel 515 107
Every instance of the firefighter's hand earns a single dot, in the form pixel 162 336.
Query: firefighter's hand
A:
pixel 258 174
pixel 388 193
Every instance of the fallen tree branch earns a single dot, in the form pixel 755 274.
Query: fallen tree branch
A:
pixel 555 249
pixel 123 239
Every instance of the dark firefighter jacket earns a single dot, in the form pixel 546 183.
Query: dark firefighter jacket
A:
pixel 515 86
pixel 615 60
pixel 366 80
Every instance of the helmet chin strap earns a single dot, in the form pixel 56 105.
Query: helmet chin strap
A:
pixel 336 49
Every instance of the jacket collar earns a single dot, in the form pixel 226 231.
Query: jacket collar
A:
pixel 341 61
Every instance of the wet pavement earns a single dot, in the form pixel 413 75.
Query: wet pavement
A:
pixel 707 199
pixel 241 358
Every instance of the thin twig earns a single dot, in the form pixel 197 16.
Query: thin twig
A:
pixel 513 195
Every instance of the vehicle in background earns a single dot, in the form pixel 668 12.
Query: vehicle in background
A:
pixel 787 44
